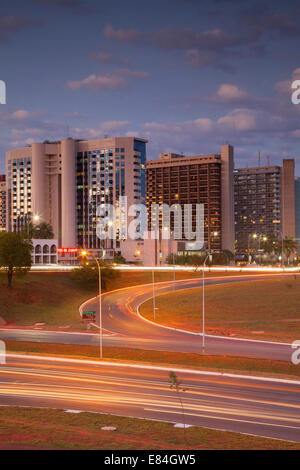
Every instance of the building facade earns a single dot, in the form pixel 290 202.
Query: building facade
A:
pixel 203 179
pixel 64 182
pixel 2 203
pixel 297 210
pixel 264 203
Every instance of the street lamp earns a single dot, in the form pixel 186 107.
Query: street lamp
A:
pixel 203 305
pixel 83 254
pixel 259 237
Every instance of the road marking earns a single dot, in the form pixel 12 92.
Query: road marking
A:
pixel 148 367
pixel 225 419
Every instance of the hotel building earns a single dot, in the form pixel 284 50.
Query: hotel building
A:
pixel 2 203
pixel 202 179
pixel 63 183
pixel 264 203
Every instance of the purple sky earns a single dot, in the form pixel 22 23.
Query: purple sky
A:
pixel 189 75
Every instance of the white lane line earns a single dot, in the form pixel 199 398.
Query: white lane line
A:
pixel 148 367
pixel 200 334
pixel 225 418
pixel 17 330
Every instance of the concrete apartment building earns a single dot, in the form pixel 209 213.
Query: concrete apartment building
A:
pixel 201 179
pixel 297 210
pixel 2 203
pixel 264 203
pixel 63 182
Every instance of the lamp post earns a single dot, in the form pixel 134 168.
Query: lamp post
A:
pixel 259 236
pixel 173 272
pixel 203 305
pixel 84 253
pixel 153 291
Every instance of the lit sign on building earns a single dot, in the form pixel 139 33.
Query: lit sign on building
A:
pixel 67 250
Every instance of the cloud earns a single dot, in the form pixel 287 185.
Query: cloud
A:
pixel 203 58
pixel 272 24
pixel 251 120
pixel 107 81
pixel 131 35
pixel 228 93
pixel 105 128
pixel 12 24
pixel 284 86
pixel 76 115
pixel 19 116
pixel 99 82
pixel 104 58
pixel 200 48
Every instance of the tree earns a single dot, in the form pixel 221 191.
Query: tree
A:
pixel 87 274
pixel 289 247
pixel 43 231
pixel 119 259
pixel 197 260
pixel 176 384
pixel 15 255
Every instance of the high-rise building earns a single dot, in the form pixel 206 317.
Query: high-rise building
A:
pixel 264 203
pixel 297 210
pixel 202 179
pixel 2 203
pixel 64 182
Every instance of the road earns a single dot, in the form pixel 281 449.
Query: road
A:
pixel 120 317
pixel 252 406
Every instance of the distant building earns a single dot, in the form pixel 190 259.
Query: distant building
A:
pixel 3 208
pixel 64 182
pixel 44 251
pixel 201 179
pixel 264 203
pixel 297 209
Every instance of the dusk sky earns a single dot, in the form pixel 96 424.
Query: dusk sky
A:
pixel 188 75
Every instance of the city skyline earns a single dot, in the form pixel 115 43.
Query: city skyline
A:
pixel 185 75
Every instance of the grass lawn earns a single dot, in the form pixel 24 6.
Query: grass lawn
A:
pixel 54 299
pixel 34 428
pixel 257 309
pixel 247 366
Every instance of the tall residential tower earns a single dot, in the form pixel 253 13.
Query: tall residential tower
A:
pixel 201 179
pixel 63 183
pixel 264 203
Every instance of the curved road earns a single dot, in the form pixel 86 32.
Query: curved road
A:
pixel 260 407
pixel 120 317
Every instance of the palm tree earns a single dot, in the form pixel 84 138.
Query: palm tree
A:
pixel 42 231
pixel 289 246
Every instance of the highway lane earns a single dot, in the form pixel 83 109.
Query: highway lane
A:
pixel 259 407
pixel 119 309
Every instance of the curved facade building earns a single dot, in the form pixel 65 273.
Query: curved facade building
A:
pixel 64 182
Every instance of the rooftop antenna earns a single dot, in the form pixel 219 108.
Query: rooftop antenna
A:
pixel 268 160
pixel 259 158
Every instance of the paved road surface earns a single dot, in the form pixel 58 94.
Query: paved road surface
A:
pixel 259 407
pixel 120 317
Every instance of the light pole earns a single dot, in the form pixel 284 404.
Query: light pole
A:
pixel 203 305
pixel 259 236
pixel 173 273
pixel 84 253
pixel 153 289
pixel 282 265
